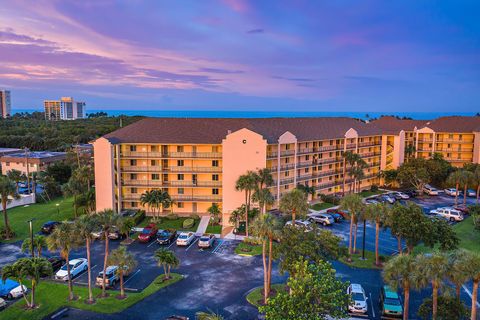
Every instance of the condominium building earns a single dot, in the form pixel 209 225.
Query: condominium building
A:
pixel 5 104
pixel 197 161
pixel 456 138
pixel 30 161
pixel 64 109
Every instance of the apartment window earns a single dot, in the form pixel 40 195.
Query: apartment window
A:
pixel 214 148
pixel 153 162
pixel 179 148
pixel 155 176
pixel 306 170
pixel 133 162
pixel 133 176
pixel 330 178
pixel 285 187
pixel 180 163
pixel 8 164
pixel 215 191
pixel 319 168
pixel 214 163
pixel 460 137
pixel 330 166
pixel 165 177
pixel 287 160
pixel 133 148
pixel 154 148
pixel 287 147
pixel 180 205
pixel 181 191
pixel 330 154
pixel 287 173
pixel 307 157
pixel 133 190
pixel 180 176
pixel 214 177
pixel 133 204
pixel 450 136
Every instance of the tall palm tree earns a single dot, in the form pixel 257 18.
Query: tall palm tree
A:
pixel 476 182
pixel 62 240
pixel 264 198
pixel 432 269
pixel 74 187
pixel 146 199
pixel 247 183
pixel 353 203
pixel 210 315
pixel 398 272
pixel 294 202
pixel 214 211
pixel 472 261
pixel 106 219
pixel 125 263
pixel 348 158
pixel 157 199
pixel 87 201
pixel 454 179
pixel 458 270
pixel 264 178
pixel 376 213
pixel 35 269
pixel 83 228
pixel 357 172
pixel 39 243
pixel 15 272
pixel 167 259
pixel 15 176
pixel 7 189
pixel 265 229
pixel 467 179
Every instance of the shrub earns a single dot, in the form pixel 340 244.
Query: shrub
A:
pixel 329 198
pixel 138 217
pixel 171 216
pixel 194 216
pixel 188 223
pixel 374 188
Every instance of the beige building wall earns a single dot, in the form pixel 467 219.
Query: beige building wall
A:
pixel 243 150
pixel 476 147
pixel 104 174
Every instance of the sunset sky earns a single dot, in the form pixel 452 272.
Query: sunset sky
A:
pixel 244 55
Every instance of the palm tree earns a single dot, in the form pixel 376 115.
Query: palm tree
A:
pixel 476 182
pixel 106 219
pixel 62 240
pixel 458 272
pixel 39 243
pixel 472 262
pixel 125 263
pixel 74 187
pixel 353 203
pixel 35 269
pixel 376 214
pixel 357 172
pixel 348 158
pixel 167 259
pixel 294 202
pixel 87 201
pixel 125 226
pixel 214 211
pixel 409 151
pixel 146 198
pixel 454 179
pixel 264 198
pixel 157 199
pixel 15 176
pixel 265 229
pixel 398 272
pixel 247 183
pixel 15 272
pixel 210 315
pixel 7 189
pixel 83 228
pixel 467 179
pixel 264 178
pixel 432 269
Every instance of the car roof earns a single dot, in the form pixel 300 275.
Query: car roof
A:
pixel 77 260
pixel 111 268
pixel 355 287
pixel 390 293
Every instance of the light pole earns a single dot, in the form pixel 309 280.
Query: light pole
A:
pixel 58 209
pixel 363 240
pixel 31 235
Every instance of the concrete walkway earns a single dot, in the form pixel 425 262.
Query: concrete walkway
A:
pixel 202 226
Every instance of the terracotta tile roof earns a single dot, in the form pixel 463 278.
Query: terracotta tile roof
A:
pixel 389 124
pixel 213 130
pixel 454 124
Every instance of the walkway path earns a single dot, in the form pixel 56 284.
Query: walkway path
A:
pixel 202 226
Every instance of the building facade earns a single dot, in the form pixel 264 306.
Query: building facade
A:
pixel 5 104
pixel 30 161
pixel 64 109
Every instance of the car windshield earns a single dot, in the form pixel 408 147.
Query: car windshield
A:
pixel 356 296
pixel 65 266
pixel 183 236
pixel 392 302
pixel 204 238
pixel 163 234
pixel 146 231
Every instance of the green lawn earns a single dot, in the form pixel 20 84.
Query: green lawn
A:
pixel 368 193
pixel 256 296
pixel 322 206
pixel 51 296
pixel 466 232
pixel 216 229
pixel 165 223
pixel 368 263
pixel 247 249
pixel 42 213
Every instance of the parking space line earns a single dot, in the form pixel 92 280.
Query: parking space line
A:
pixel 192 244
pixel 371 303
pixel 151 243
pixel 469 294
pixel 133 275
pixel 171 244
pixel 218 246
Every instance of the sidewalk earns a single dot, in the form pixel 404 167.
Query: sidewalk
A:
pixel 202 226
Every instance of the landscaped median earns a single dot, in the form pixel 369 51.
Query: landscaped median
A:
pixel 51 296
pixel 247 249
pixel 255 297
pixel 358 262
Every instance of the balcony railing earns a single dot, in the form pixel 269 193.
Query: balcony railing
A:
pixel 320 174
pixel 351 145
pixel 369 144
pixel 454 150
pixel 284 167
pixel 304 177
pixel 212 198
pixel 193 183
pixel 141 168
pixel 304 164
pixel 133 182
pixel 144 154
pixel 193 169
pixel 454 141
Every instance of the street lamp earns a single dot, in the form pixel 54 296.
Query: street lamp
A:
pixel 58 209
pixel 31 235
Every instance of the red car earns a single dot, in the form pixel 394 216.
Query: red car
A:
pixel 463 208
pixel 343 213
pixel 148 233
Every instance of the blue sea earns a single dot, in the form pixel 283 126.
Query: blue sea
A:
pixel 267 114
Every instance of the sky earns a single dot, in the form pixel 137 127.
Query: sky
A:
pixel 243 55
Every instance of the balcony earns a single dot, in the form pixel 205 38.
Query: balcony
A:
pixel 137 182
pixel 141 169
pixel 193 169
pixel 287 153
pixel 454 141
pixel 455 150
pixel 370 154
pixel 320 174
pixel 304 177
pixel 203 155
pixel 304 164
pixel 206 198
pixel 283 181
pixel 192 183
pixel 325 185
pixel 369 144
pixel 351 145
pixel 284 167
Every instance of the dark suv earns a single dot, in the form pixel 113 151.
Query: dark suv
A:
pixel 49 226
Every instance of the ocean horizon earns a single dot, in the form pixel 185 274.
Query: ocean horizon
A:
pixel 265 114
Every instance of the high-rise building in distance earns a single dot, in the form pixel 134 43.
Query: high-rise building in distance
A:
pixel 64 109
pixel 5 104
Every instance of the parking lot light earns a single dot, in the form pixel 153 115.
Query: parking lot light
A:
pixel 58 209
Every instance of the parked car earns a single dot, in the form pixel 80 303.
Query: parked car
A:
pixel 3 304
pixel 452 192
pixel 390 303
pixel 77 266
pixel 371 201
pixel 115 234
pixel 431 191
pixel 49 226
pixel 176 317
pixel 337 217
pixel 462 208
pixel 386 198
pixel 449 213
pixel 166 236
pixel 206 241
pixel 344 213
pixel 321 218
pixel 11 289
pixel 359 299
pixel 97 234
pixel 111 277
pixel 148 233
pixel 399 195
pixel 471 193
pixel 411 193
pixel 56 262
pixel 185 238
pixel 301 224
